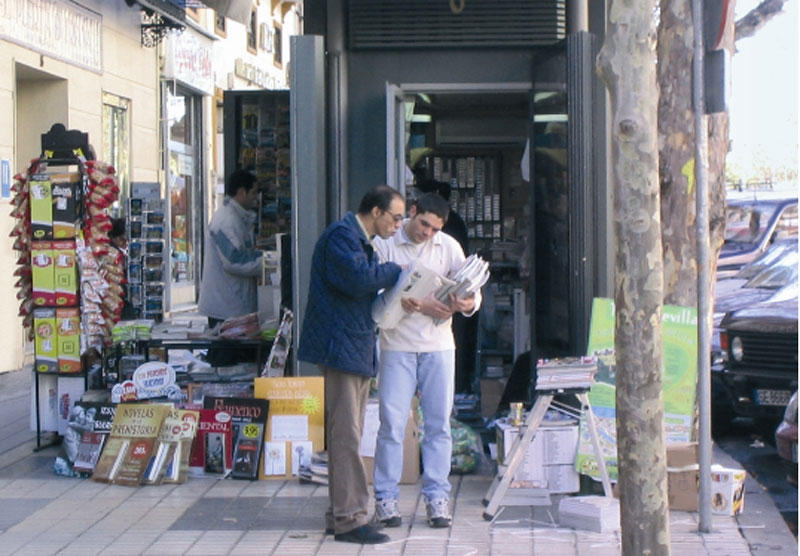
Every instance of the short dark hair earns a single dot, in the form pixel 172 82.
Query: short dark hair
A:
pixel 117 228
pixel 434 204
pixel 237 180
pixel 435 186
pixel 380 196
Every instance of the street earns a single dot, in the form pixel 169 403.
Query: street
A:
pixel 756 454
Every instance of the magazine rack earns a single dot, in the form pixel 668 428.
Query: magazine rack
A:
pixel 499 493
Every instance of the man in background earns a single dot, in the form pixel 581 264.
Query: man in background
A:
pixel 339 336
pixel 232 264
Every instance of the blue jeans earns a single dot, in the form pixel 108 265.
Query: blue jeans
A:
pixel 401 373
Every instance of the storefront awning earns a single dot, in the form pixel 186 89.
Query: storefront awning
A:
pixel 237 10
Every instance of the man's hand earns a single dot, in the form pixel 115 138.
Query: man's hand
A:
pixel 462 304
pixel 428 306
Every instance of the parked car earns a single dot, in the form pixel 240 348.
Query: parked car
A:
pixel 754 282
pixel 760 373
pixel 752 226
pixel 786 439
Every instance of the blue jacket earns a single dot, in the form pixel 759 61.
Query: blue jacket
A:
pixel 338 330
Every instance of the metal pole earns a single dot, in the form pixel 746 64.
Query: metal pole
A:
pixel 703 267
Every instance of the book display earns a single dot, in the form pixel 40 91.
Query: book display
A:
pixel 248 425
pixel 127 451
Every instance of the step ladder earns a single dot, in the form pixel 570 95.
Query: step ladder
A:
pixel 499 493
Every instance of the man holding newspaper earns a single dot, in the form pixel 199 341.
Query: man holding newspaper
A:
pixel 418 351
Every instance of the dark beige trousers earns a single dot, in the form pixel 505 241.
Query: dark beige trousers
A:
pixel 345 403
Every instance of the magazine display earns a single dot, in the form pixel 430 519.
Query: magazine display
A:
pixel 248 425
pixel 211 451
pixel 129 446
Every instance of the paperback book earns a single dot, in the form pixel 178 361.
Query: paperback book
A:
pixel 130 443
pixel 248 425
pixel 87 427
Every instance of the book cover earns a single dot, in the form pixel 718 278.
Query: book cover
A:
pixel 130 443
pixel 211 451
pixel 87 425
pixel 248 425
pixel 179 424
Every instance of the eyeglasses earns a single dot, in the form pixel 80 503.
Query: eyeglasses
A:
pixel 395 217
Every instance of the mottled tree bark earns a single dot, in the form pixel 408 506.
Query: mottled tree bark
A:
pixel 676 159
pixel 627 64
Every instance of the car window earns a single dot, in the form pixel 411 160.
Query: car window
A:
pixel 746 223
pixel 777 275
pixel 774 253
pixel 787 223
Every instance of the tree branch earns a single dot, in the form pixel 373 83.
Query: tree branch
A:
pixel 757 18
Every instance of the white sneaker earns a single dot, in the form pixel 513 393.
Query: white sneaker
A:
pixel 386 512
pixel 438 511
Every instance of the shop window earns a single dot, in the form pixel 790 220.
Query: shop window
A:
pixel 116 139
pixel 277 38
pixel 252 32
pixel 220 24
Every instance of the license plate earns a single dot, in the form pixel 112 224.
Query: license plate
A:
pixel 773 397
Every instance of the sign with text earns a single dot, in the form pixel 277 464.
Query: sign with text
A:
pixel 679 356
pixel 296 416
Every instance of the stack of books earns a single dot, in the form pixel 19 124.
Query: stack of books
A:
pixel 566 373
pixel 315 472
pixel 591 513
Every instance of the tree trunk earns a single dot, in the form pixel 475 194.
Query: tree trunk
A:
pixel 676 160
pixel 626 63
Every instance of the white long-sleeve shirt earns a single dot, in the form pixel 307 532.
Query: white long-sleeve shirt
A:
pixel 416 332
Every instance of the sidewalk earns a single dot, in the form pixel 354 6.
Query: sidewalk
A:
pixel 41 513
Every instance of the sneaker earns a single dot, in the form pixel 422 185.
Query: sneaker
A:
pixel 438 511
pixel 386 512
pixel 362 535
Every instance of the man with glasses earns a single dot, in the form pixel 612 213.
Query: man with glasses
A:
pixel 339 336
pixel 419 353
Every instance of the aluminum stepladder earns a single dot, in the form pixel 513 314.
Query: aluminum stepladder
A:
pixel 499 493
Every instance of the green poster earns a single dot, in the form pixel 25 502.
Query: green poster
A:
pixel 679 337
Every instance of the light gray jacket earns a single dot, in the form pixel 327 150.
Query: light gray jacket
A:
pixel 232 264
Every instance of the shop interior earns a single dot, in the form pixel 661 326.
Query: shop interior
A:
pixel 478 143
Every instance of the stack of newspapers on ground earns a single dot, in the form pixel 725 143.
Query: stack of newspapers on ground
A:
pixel 591 513
pixel 566 373
pixel 418 281
pixel 316 471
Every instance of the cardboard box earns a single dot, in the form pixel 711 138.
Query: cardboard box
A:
pixel 491 392
pixel 549 459
pixel 41 191
pixel 683 476
pixel 43 273
pixel 727 490
pixel 45 340
pixel 68 322
pixel 65 274
pixel 411 467
pixel 67 200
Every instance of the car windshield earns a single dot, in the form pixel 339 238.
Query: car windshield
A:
pixel 774 253
pixel 746 223
pixel 778 275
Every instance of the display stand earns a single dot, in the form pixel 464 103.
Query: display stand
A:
pixel 49 147
pixel 499 493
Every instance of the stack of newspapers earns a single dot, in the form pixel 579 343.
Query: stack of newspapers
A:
pixel 418 281
pixel 566 373
pixel 592 513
